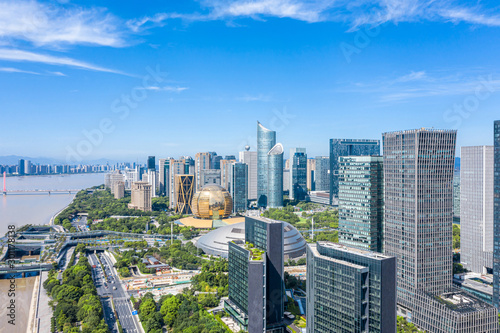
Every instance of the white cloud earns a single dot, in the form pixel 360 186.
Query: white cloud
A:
pixel 18 55
pixel 254 98
pixel 166 88
pixel 57 25
pixel 16 70
pixel 413 76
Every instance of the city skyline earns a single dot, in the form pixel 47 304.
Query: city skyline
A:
pixel 364 76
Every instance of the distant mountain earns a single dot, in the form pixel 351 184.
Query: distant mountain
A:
pixel 14 159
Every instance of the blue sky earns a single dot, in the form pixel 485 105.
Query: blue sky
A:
pixel 84 80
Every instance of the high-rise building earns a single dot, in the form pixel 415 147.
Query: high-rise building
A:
pixel 176 167
pixel 311 170
pixel 456 196
pixel 346 147
pixel 163 175
pixel 152 180
pixel 118 189
pixel 286 180
pixel 151 163
pixel 298 173
pixel 250 158
pixel 202 161
pixel 225 169
pixel 140 196
pixel 21 170
pixel 361 199
pixel 255 277
pixel 27 167
pixel 476 211
pixel 210 176
pixel 238 186
pixel 350 290
pixel 184 190
pixel 496 215
pixel 321 174
pixel 266 139
pixel 418 187
pixel 216 161
pixel 275 177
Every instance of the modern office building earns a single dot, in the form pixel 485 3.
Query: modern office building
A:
pixel 202 161
pixel 496 215
pixel 230 157
pixel 151 163
pixel 183 166
pixel 347 147
pixel 212 202
pixel 255 278
pixel 238 186
pixel 322 174
pixel 350 290
pixel 250 158
pixel 286 180
pixel 184 191
pixel 266 140
pixel 418 187
pixel 152 180
pixel 140 196
pixel 210 176
pixel 311 170
pixel 456 196
pixel 164 165
pixel 225 169
pixel 27 167
pixel 361 200
pixel 216 161
pixel 275 177
pixel 20 168
pixel 298 174
pixel 476 211
pixel 118 189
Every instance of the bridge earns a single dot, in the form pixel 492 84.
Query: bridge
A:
pixel 40 192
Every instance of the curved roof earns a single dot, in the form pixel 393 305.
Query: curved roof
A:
pixel 215 242
pixel 263 128
pixel 276 150
pixel 213 187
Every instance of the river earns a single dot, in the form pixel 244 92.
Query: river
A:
pixel 24 209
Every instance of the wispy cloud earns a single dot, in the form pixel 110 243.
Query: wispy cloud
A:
pixel 354 13
pixel 16 70
pixel 25 56
pixel 44 24
pixel 254 98
pixel 166 88
pixel 414 85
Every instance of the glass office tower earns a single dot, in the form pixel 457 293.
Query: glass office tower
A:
pixel 255 277
pixel 151 163
pixel 346 147
pixel 361 202
pixel 321 175
pixel 496 216
pixel 275 177
pixel 350 290
pixel 266 139
pixel 238 186
pixel 298 173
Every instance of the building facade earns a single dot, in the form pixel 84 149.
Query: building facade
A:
pixel 184 191
pixel 250 158
pixel 275 177
pixel 476 201
pixel 418 186
pixel 210 176
pixel 238 186
pixel 202 161
pixel 298 174
pixel 140 196
pixel 266 140
pixel 311 170
pixel 350 290
pixel 322 174
pixel 361 200
pixel 255 278
pixel 347 147
pixel 496 215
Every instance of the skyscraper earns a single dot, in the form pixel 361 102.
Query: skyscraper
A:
pixel 418 179
pixel 151 163
pixel 20 170
pixel 298 173
pixel 476 201
pixel 164 166
pixel 311 170
pixel 184 190
pixel 140 196
pixel 275 177
pixel 255 277
pixel 250 158
pixel 496 215
pixel 202 161
pixel 361 202
pixel 321 174
pixel 210 176
pixel 266 139
pixel 346 147
pixel 350 290
pixel 238 186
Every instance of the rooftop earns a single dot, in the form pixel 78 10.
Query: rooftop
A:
pixel 459 301
pixel 314 250
pixel 343 248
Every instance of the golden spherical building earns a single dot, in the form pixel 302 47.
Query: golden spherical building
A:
pixel 213 202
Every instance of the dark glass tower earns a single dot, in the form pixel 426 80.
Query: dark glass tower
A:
pixel 266 139
pixel 298 173
pixel 275 177
pixel 496 217
pixel 151 163
pixel 346 147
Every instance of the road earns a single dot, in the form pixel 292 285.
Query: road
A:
pixel 111 288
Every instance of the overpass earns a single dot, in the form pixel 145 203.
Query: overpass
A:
pixel 40 192
pixel 102 233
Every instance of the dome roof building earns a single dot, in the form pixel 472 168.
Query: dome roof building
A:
pixel 212 202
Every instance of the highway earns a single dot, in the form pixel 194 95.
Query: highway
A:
pixel 111 288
